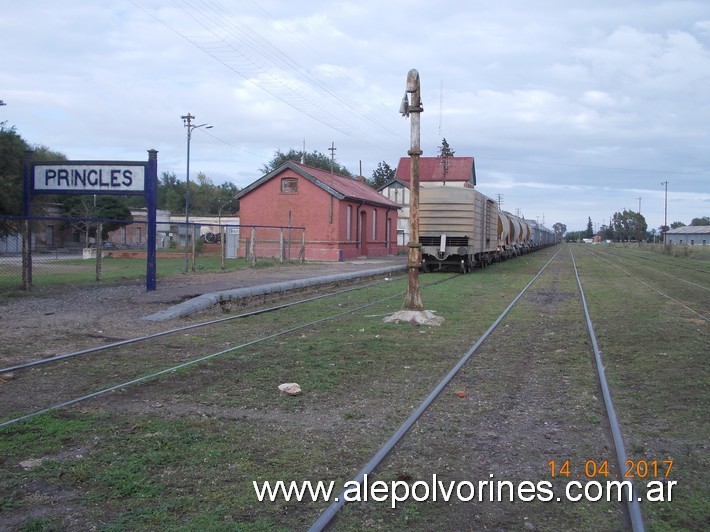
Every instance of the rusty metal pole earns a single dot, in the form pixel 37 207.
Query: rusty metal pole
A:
pixel 413 298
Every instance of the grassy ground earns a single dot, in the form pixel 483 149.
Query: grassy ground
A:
pixel 113 269
pixel 656 354
pixel 181 452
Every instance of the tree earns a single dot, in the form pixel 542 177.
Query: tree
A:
pixel 605 232
pixel 574 236
pixel 171 193
pixel 315 159
pixel 705 220
pixel 12 151
pixel 226 199
pixel 103 207
pixel 560 229
pixel 382 174
pixel 676 225
pixel 590 229
pixel 12 148
pixel 444 153
pixel 629 225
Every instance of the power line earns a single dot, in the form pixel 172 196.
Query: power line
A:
pixel 620 169
pixel 240 48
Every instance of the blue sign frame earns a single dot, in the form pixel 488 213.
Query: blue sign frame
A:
pixel 100 178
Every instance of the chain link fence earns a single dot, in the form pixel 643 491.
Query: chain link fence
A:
pixel 65 250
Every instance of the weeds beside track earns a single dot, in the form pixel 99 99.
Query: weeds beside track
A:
pixel 182 451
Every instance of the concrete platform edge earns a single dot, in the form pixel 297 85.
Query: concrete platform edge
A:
pixel 205 301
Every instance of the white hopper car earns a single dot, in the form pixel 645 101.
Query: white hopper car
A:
pixel 461 228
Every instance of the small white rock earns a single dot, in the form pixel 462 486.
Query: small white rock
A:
pixel 290 388
pixel 31 463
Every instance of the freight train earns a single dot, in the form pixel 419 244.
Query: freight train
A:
pixel 461 228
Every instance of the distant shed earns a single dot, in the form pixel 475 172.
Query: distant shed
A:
pixel 691 235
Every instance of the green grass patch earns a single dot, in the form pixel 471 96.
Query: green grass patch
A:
pixel 189 462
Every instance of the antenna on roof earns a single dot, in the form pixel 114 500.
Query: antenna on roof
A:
pixel 441 103
pixel 332 156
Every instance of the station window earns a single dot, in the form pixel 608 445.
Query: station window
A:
pixel 50 235
pixel 289 185
pixel 348 230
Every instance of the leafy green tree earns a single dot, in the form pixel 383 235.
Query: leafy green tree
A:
pixel 205 197
pixel 226 202
pixel 676 225
pixel 705 220
pixel 12 151
pixel 12 147
pixel 171 193
pixel 574 236
pixel 605 232
pixel 315 159
pixel 629 225
pixel 100 206
pixel 382 174
pixel 560 229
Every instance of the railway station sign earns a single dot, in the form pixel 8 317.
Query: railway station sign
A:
pixel 89 177
pixel 93 177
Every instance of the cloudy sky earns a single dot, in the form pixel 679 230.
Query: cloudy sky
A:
pixel 573 110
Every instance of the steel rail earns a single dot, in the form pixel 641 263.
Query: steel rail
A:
pixel 653 288
pixel 138 339
pixel 617 252
pixel 631 502
pixel 330 512
pixel 632 263
pixel 202 359
pixel 188 363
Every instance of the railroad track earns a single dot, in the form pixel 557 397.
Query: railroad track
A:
pixel 526 387
pixel 180 354
pixel 662 277
pixel 523 403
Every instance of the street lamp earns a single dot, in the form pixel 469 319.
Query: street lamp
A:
pixel 187 121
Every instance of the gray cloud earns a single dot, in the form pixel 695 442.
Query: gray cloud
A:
pixel 571 110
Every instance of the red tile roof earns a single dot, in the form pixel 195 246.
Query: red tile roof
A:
pixel 430 169
pixel 340 186
pixel 347 187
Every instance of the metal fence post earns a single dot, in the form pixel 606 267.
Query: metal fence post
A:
pixel 252 246
pixel 223 244
pixel 302 253
pixel 26 254
pixel 281 244
pixel 192 260
pixel 99 249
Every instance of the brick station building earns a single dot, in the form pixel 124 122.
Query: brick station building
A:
pixel 343 217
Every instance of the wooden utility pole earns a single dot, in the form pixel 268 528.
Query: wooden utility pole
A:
pixel 665 212
pixel 332 156
pixel 412 105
